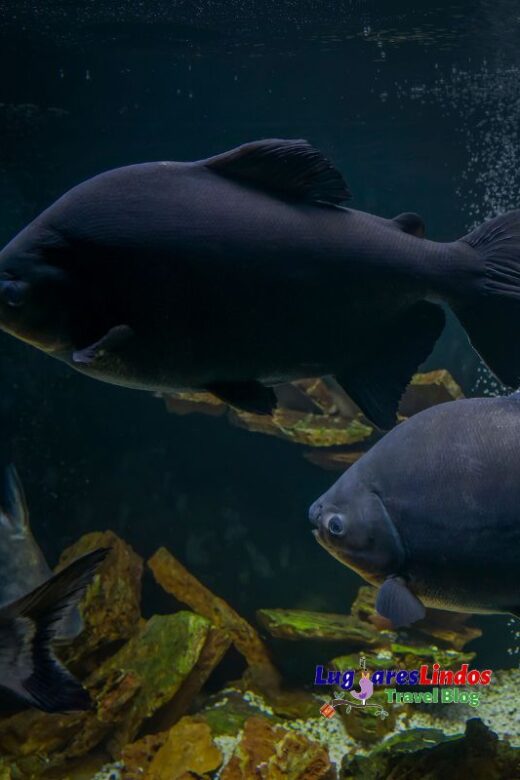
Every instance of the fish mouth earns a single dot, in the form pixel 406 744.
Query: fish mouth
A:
pixel 33 341
pixel 321 541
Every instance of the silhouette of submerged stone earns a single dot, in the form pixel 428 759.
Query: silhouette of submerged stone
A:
pixel 319 414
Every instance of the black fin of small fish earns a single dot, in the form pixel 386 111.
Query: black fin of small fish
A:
pixel 491 316
pixel 250 397
pixel 291 168
pixel 397 603
pixel 13 502
pixel 411 223
pixel 377 385
pixel 110 342
pixel 28 667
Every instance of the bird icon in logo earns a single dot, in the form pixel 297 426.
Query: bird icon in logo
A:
pixel 366 688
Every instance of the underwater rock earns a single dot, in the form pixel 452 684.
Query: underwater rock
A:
pixel 190 402
pixel 175 579
pixel 313 430
pixel 188 747
pixel 161 657
pixel 333 460
pixel 374 765
pixel 427 754
pixel 311 412
pixel 227 712
pixel 430 389
pixel 366 725
pixel 111 607
pixel 147 673
pixel 268 752
pixel 137 756
pixel 318 413
pixel 301 624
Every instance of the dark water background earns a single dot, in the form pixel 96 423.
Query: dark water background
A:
pixel 419 107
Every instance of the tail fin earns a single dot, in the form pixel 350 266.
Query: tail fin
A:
pixel 492 320
pixel 28 667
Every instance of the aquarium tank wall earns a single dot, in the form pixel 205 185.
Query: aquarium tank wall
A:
pixel 250 249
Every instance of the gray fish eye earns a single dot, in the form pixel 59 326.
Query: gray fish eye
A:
pixel 336 525
pixel 13 292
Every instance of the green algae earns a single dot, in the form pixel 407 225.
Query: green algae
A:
pixel 429 754
pixel 301 624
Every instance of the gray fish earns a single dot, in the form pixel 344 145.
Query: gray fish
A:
pixel 22 563
pixel 430 514
pixel 243 271
pixel 30 674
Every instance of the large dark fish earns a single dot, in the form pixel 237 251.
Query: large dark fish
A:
pixel 242 271
pixel 22 563
pixel 430 514
pixel 30 673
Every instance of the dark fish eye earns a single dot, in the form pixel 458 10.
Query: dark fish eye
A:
pixel 336 525
pixel 13 292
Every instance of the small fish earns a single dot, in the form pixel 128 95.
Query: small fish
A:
pixel 430 514
pixel 22 563
pixel 243 271
pixel 30 674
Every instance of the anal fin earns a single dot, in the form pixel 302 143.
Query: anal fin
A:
pixel 378 382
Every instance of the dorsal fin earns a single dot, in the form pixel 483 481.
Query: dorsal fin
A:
pixel 290 168
pixel 411 223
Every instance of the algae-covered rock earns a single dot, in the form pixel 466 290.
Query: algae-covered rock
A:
pixel 427 754
pixel 187 402
pixel 271 753
pixel 315 412
pixel 175 579
pixel 430 389
pixel 365 724
pixel 137 756
pixel 188 747
pixel 111 607
pixel 318 412
pixel 412 655
pixel 374 765
pixel 227 712
pixel 147 673
pixel 161 657
pixel 301 624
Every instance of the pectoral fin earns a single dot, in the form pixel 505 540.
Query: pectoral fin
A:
pixel 110 342
pixel 397 603
pixel 250 397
